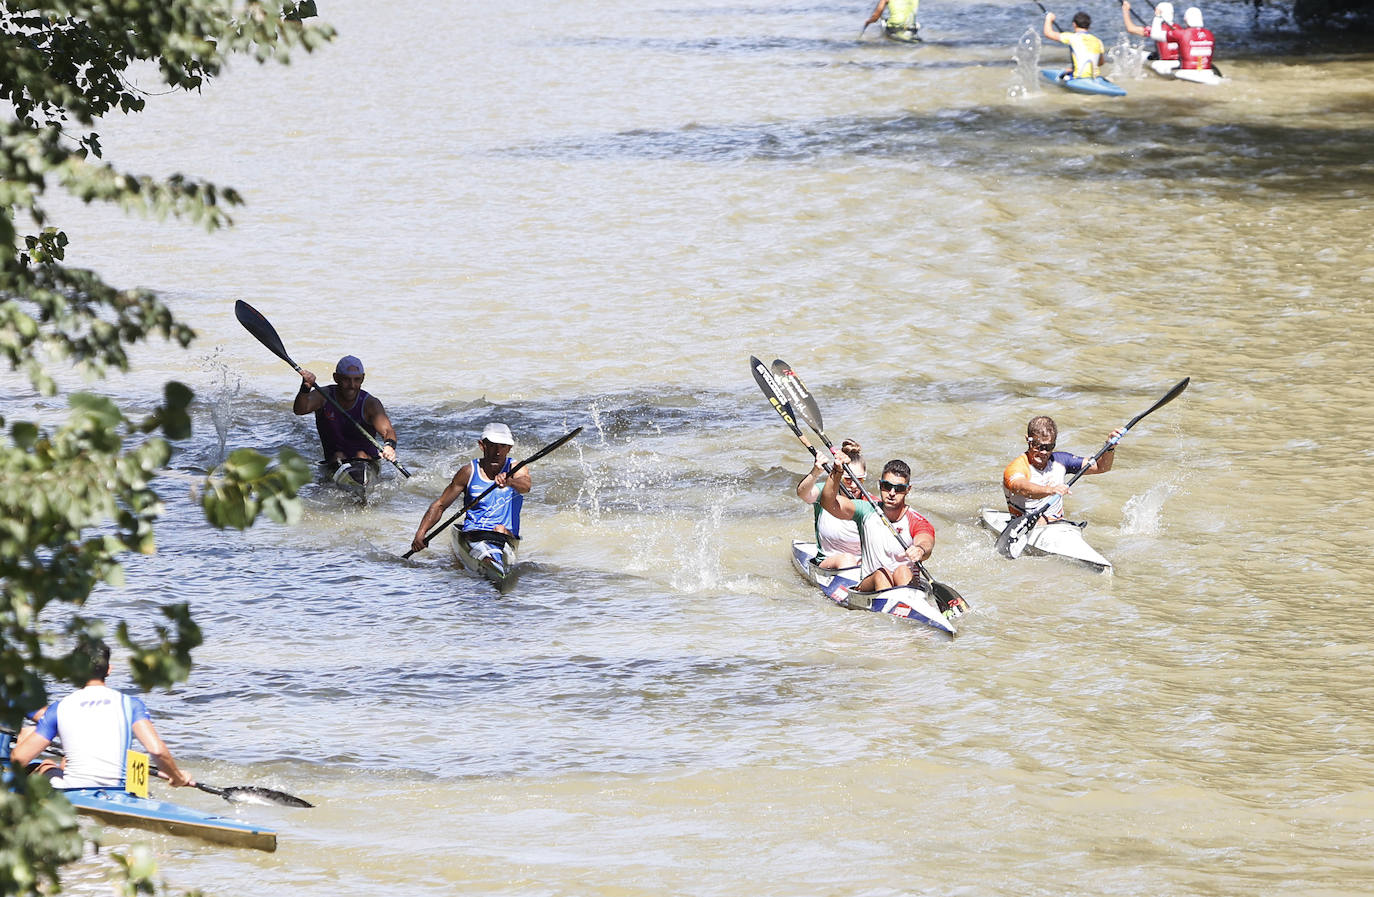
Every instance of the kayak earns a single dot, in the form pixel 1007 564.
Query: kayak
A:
pixel 911 35
pixel 907 602
pixel 1098 85
pixel 116 807
pixel 1198 76
pixel 494 562
pixel 1062 538
pixel 1164 67
pixel 357 477
pixel 121 808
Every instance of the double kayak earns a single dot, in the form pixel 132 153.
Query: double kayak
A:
pixel 493 560
pixel 1099 85
pixel 115 807
pixel 907 602
pixel 1062 538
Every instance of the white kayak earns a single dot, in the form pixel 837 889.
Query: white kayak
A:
pixel 492 560
pixel 1198 76
pixel 1063 538
pixel 908 602
pixel 357 476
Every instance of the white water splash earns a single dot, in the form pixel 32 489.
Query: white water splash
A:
pixel 1027 71
pixel 1126 59
pixel 1142 514
pixel 220 398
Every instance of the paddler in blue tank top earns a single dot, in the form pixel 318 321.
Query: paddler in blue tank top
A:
pixel 496 518
pixel 340 438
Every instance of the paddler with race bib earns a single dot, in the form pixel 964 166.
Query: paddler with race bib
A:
pixel 339 437
pixel 97 726
pixel 495 520
pixel 1085 50
pixel 1036 476
pixel 1165 57
pixel 901 17
pixel 884 562
pixel 837 540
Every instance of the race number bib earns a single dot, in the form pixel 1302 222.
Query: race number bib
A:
pixel 136 773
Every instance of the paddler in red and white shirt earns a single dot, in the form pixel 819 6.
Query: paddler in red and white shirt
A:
pixel 1165 57
pixel 884 562
pixel 1195 43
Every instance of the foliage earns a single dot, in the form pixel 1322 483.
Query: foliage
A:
pixel 77 496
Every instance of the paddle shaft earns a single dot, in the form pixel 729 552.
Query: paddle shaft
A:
pixel 485 492
pixel 1027 521
pixel 254 322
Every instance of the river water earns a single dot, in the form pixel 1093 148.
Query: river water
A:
pixel 592 215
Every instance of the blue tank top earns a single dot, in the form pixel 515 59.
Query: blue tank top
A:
pixel 337 434
pixel 500 508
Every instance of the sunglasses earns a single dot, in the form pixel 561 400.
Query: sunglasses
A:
pixel 1042 446
pixel 899 488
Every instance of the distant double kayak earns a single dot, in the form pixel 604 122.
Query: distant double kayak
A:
pixel 1099 85
pixel 1168 68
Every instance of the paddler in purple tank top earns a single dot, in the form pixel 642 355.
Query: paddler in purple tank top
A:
pixel 340 438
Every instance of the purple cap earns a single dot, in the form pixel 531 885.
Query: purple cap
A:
pixel 349 366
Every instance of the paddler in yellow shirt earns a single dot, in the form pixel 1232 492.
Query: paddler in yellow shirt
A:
pixel 1085 49
pixel 901 18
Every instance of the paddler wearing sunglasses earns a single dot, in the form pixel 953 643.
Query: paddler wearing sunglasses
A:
pixel 884 563
pixel 1036 476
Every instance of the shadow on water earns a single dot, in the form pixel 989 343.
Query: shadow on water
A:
pixel 1118 143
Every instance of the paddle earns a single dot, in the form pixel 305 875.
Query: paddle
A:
pixel 1156 12
pixel 800 398
pixel 777 398
pixel 233 794
pixel 249 794
pixel 253 321
pixel 1017 534
pixel 557 443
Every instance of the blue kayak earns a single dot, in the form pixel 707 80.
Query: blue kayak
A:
pixel 115 807
pixel 1098 85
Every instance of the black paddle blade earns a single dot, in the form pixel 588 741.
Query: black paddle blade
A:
pixel 1168 397
pixel 774 392
pixel 254 795
pixel 1015 535
pixel 798 396
pixel 251 794
pixel 253 321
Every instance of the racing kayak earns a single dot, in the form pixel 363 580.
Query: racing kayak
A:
pixel 357 477
pixel 1098 85
pixel 493 560
pixel 115 807
pixel 908 602
pixel 904 34
pixel 1198 76
pixel 1062 538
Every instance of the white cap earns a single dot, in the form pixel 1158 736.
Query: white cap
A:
pixel 1165 11
pixel 497 434
pixel 1193 17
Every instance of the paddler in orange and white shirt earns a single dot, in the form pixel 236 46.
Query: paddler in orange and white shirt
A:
pixel 1036 476
pixel 1084 49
